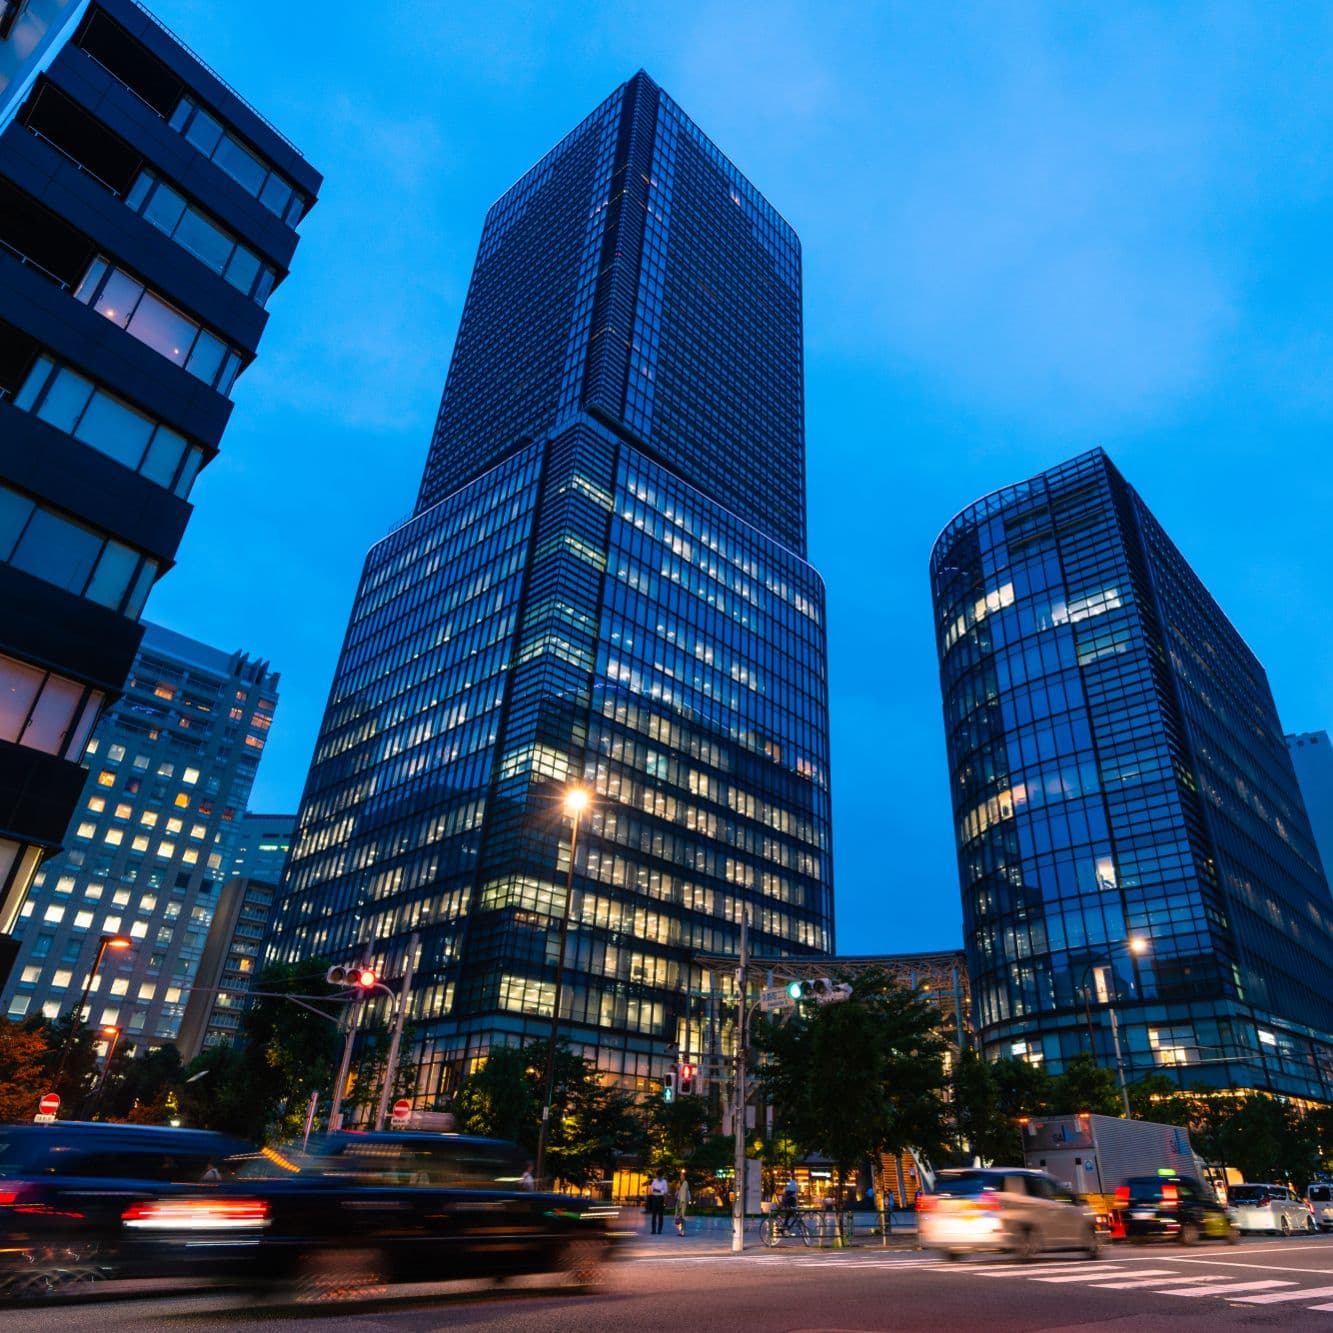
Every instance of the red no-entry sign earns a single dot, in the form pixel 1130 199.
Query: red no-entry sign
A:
pixel 402 1109
pixel 50 1103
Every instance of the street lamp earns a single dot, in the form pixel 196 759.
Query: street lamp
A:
pixel 108 1030
pixel 104 943
pixel 1137 946
pixel 576 802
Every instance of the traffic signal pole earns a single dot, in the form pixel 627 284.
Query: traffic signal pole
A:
pixel 738 1126
pixel 336 1110
pixel 391 1064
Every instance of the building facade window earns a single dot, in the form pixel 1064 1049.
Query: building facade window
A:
pixel 73 403
pixel 170 212
pixel 158 324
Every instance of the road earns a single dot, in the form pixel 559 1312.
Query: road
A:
pixel 1258 1284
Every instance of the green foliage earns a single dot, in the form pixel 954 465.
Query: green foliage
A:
pixel 1269 1140
pixel 144 1081
pixel 499 1100
pixel 591 1125
pixel 1085 1086
pixel 859 1078
pixel 673 1131
pixel 261 1086
pixel 1158 1097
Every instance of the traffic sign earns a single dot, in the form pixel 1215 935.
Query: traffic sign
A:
pixel 49 1104
pixel 402 1111
pixel 775 998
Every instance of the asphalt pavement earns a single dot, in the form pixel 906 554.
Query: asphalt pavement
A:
pixel 697 1285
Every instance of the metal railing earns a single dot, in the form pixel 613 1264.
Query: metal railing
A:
pixel 68 156
pixel 32 263
pixel 194 55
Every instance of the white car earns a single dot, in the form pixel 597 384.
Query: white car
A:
pixel 1321 1205
pixel 1269 1208
pixel 1004 1209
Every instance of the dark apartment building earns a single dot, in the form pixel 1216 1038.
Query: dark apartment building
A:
pixel 147 213
pixel 1138 871
pixel 168 773
pixel 603 587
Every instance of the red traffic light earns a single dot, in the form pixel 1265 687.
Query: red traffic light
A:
pixel 364 978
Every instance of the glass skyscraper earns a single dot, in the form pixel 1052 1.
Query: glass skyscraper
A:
pixel 604 583
pixel 1132 842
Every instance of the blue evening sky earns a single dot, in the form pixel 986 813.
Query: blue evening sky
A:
pixel 1028 230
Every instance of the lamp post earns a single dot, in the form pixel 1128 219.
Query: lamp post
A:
pixel 1136 945
pixel 576 802
pixel 104 943
pixel 114 1033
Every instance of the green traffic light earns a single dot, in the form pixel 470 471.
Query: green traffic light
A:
pixel 795 989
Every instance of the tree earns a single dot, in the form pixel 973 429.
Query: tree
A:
pixel 674 1131
pixel 1269 1140
pixel 1157 1097
pixel 592 1124
pixel 499 1100
pixel 861 1078
pixel 23 1069
pixel 141 1082
pixel 1085 1086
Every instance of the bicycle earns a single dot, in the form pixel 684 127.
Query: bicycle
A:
pixel 777 1226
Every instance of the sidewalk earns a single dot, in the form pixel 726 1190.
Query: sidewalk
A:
pixel 712 1235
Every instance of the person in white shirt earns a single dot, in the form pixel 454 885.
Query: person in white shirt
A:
pixel 657 1195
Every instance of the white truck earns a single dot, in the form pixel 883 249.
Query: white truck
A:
pixel 1094 1154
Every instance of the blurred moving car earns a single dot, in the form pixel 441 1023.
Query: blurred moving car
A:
pixel 1269 1208
pixel 1320 1198
pixel 65 1186
pixel 1171 1207
pixel 351 1212
pixel 1006 1209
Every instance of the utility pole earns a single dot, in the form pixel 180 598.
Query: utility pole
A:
pixel 738 1092
pixel 336 1110
pixel 391 1064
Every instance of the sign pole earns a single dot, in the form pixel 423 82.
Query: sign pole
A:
pixel 738 1093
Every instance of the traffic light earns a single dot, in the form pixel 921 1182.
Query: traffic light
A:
pixel 669 1086
pixel 363 978
pixel 688 1073
pixel 822 990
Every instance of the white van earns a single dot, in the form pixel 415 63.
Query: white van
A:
pixel 1321 1205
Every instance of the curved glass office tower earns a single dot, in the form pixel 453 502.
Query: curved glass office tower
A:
pixel 1133 849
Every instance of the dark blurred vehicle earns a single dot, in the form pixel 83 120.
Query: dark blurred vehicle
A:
pixel 1170 1207
pixel 351 1212
pixel 65 1186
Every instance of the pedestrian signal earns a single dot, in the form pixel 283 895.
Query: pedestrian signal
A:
pixel 688 1074
pixel 669 1086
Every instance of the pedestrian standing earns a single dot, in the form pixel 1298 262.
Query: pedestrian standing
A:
pixel 657 1193
pixel 682 1202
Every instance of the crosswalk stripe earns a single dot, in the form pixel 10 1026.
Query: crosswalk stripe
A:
pixel 1322 1307
pixel 1149 1281
pixel 1305 1294
pixel 1086 1275
pixel 1226 1288
pixel 1089 1269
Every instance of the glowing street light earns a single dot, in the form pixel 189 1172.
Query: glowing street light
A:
pixel 577 799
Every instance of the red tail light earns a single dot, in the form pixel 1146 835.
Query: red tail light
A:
pixel 925 1202
pixel 1170 1194
pixel 1122 1197
pixel 196 1214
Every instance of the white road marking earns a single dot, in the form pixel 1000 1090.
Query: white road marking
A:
pixel 1305 1293
pixel 1147 1281
pixel 1033 1271
pixel 1226 1288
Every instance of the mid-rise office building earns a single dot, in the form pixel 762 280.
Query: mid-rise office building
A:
pixel 1312 758
pixel 147 213
pixel 1135 858
pixel 604 585
pixel 169 771
pixel 257 847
